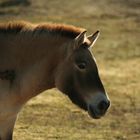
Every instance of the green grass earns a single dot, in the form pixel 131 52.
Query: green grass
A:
pixel 51 115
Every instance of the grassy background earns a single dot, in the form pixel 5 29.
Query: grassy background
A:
pixel 51 115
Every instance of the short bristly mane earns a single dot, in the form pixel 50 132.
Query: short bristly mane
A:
pixel 54 29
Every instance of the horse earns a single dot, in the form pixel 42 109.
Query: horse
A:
pixel 37 57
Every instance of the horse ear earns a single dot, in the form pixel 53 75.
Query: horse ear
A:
pixel 92 38
pixel 80 39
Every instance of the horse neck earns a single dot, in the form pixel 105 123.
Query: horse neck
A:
pixel 46 54
pixel 51 49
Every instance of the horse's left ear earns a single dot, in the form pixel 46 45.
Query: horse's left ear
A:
pixel 80 39
pixel 92 38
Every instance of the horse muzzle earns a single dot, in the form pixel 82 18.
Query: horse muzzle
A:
pixel 98 109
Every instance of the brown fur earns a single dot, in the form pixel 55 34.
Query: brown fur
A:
pixel 37 57
pixel 22 26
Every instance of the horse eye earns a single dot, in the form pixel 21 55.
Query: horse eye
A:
pixel 82 65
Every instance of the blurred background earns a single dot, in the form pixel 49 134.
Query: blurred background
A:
pixel 51 115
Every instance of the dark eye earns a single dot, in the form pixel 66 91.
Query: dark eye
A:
pixel 82 65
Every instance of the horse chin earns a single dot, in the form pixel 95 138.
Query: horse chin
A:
pixel 84 106
pixel 75 98
pixel 94 114
pixel 78 101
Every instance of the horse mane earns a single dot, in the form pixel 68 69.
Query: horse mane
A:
pixel 21 27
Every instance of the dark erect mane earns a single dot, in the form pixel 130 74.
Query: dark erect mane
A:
pixel 54 29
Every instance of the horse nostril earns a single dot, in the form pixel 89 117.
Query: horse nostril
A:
pixel 103 105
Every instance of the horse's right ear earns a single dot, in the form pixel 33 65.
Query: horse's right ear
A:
pixel 80 39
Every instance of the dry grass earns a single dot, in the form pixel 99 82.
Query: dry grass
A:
pixel 51 115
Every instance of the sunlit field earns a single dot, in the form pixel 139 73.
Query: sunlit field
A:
pixel 51 115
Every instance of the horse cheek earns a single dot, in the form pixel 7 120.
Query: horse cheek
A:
pixel 64 82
